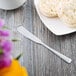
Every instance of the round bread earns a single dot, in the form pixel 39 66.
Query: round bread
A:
pixel 67 12
pixel 48 7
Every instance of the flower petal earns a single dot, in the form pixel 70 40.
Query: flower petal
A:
pixel 7 46
pixel 4 33
pixel 1 22
pixel 5 62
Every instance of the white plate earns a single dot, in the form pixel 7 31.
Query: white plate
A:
pixel 54 24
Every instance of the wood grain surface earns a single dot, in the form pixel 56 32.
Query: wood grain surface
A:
pixel 38 60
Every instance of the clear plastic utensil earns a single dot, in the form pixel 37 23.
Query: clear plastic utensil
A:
pixel 32 37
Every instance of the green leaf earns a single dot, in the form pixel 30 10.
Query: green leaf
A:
pixel 1 52
pixel 15 40
pixel 5 27
pixel 18 57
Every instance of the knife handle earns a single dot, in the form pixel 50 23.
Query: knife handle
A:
pixel 63 57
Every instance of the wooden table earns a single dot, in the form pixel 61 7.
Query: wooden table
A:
pixel 39 60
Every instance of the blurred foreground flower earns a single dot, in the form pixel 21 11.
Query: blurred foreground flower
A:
pixel 15 69
pixel 5 46
pixel 8 65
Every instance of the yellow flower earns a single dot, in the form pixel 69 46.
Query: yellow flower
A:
pixel 15 69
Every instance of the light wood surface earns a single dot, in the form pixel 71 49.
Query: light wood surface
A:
pixel 37 59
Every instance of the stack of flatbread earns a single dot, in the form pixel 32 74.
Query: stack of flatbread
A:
pixel 64 9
